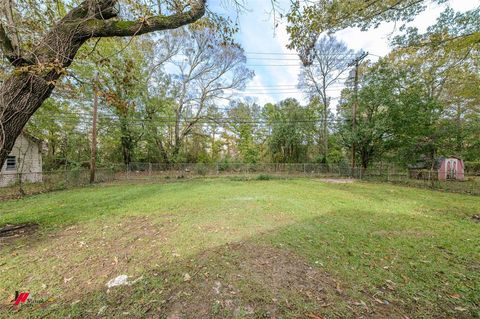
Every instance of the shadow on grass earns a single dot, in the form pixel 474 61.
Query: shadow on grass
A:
pixel 310 269
pixel 71 206
pixel 343 262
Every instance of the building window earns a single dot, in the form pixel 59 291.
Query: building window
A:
pixel 11 163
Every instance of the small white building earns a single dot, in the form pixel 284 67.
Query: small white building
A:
pixel 24 161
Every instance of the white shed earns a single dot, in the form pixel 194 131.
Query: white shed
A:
pixel 25 161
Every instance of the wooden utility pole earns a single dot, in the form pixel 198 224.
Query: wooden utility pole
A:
pixel 356 64
pixel 93 159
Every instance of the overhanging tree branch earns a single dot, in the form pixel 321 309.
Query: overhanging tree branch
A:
pixel 25 89
pixel 120 28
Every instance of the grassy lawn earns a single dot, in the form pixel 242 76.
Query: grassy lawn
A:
pixel 221 248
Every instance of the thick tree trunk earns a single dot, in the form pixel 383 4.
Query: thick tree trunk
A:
pixel 35 75
pixel 28 86
pixel 21 95
pixel 325 130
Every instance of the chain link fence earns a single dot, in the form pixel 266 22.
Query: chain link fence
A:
pixel 14 185
pixel 184 170
pixel 18 184
pixel 425 179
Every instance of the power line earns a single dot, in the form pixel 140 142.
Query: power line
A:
pixel 347 57
pixel 269 65
pixel 286 89
pixel 265 124
pixel 296 54
pixel 73 115
pixel 272 93
pixel 274 59
pixel 268 93
pixel 267 86
pixel 271 53
pixel 224 120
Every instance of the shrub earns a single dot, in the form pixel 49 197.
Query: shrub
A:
pixel 264 177
pixel 202 170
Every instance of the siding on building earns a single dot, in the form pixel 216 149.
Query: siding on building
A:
pixel 28 162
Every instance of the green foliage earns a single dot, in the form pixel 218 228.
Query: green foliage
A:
pixel 454 32
pixel 247 132
pixel 414 105
pixel 307 20
pixel 420 102
pixel 291 131
pixel 264 177
pixel 57 125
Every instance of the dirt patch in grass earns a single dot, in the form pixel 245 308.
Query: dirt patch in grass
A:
pixel 257 281
pixel 121 248
pixel 10 232
pixel 239 280
pixel 83 257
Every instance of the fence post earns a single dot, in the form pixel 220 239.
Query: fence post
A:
pixel 149 169
pixel 432 183
pixel 216 168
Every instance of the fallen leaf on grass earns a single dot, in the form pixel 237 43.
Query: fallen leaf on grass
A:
pixel 460 309
pixel 390 284
pixel 102 310
pixel 455 296
pixel 338 288
pixel 313 316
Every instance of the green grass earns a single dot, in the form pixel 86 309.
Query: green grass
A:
pixel 271 242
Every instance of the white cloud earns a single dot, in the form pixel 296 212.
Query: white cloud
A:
pixel 258 35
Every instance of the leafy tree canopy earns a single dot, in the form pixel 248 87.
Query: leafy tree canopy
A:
pixel 307 20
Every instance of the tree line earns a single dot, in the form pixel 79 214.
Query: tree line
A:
pixel 172 97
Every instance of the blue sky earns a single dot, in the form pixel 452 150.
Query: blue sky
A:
pixel 276 79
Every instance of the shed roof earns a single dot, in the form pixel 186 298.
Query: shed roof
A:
pixel 31 137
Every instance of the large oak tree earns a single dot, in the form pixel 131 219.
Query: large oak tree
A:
pixel 36 68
